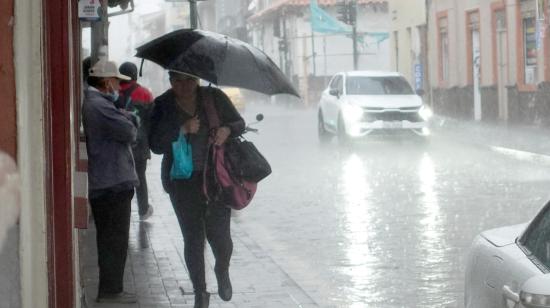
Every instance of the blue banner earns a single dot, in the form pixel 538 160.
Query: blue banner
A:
pixel 323 22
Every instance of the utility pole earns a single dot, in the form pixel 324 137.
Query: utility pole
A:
pixel 193 13
pixel 313 52
pixel 100 35
pixel 352 11
pixel 347 13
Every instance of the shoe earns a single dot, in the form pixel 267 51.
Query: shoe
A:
pixel 202 300
pixel 117 298
pixel 148 214
pixel 225 290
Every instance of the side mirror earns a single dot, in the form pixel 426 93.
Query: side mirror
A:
pixel 259 117
pixel 420 92
pixel 334 92
pixel 535 293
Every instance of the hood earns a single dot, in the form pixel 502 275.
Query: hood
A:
pixel 385 101
pixel 505 235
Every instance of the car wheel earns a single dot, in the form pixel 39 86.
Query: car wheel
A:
pixel 343 137
pixel 324 135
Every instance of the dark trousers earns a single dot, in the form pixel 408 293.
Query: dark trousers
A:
pixel 141 191
pixel 112 220
pixel 198 220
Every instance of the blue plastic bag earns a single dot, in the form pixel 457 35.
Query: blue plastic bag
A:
pixel 182 166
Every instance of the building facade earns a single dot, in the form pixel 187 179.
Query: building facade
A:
pixel 490 59
pixel 40 70
pixel 282 29
pixel 408 40
pixel 228 17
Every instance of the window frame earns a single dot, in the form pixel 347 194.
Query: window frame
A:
pixel 333 81
pixel 444 60
pixel 520 47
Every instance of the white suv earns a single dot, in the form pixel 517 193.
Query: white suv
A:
pixel 359 103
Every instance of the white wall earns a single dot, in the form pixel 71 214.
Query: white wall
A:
pixel 409 14
pixel 31 153
pixel 334 52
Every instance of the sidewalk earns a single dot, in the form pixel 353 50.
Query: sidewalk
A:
pixel 156 271
pixel 523 141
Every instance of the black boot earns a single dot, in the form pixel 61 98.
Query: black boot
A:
pixel 202 299
pixel 224 285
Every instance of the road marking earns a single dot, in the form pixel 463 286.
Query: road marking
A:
pixel 522 155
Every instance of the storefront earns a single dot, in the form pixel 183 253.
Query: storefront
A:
pixel 40 72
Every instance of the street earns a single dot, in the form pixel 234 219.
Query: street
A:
pixel 383 223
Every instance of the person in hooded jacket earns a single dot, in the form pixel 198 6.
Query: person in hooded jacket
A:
pixel 139 100
pixel 110 133
pixel 181 110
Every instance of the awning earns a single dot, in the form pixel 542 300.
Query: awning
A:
pixel 299 3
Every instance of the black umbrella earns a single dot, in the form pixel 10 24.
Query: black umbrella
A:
pixel 217 58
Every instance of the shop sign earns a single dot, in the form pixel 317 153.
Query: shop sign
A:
pixel 418 76
pixel 89 9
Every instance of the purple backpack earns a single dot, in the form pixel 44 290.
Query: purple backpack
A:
pixel 220 182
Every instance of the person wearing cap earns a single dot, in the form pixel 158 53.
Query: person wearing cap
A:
pixel 181 109
pixel 139 100
pixel 110 133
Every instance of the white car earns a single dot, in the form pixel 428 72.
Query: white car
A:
pixel 359 103
pixel 510 266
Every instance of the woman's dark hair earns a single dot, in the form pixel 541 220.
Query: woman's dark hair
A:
pixel 176 75
pixel 96 82
pixel 86 65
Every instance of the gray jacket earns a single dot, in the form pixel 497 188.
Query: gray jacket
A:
pixel 110 134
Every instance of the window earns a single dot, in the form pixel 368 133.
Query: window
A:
pixel 378 86
pixel 537 241
pixel 530 50
pixel 336 82
pixel 339 84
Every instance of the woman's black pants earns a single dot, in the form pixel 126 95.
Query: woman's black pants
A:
pixel 141 190
pixel 199 220
pixel 112 220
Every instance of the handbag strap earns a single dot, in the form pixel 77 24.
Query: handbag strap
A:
pixel 211 112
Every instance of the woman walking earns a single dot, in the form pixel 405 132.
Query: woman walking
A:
pixel 181 109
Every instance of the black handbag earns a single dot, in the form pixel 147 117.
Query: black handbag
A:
pixel 246 161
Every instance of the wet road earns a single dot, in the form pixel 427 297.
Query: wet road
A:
pixel 383 223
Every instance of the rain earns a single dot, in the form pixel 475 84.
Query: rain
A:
pixel 358 216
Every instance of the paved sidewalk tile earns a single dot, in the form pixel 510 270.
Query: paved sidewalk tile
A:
pixel 535 139
pixel 156 271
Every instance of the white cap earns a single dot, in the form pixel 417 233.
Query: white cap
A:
pixel 107 69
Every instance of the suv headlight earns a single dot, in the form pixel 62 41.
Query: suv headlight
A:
pixel 352 113
pixel 425 112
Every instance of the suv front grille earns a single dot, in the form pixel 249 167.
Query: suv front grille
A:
pixel 390 116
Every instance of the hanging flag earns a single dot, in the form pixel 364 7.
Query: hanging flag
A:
pixel 323 22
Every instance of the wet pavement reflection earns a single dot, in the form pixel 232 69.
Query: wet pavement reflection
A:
pixel 381 223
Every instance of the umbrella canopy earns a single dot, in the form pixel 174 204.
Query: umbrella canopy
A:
pixel 217 58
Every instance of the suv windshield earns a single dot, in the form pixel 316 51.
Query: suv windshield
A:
pixel 378 86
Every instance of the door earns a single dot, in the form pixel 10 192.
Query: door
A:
pixel 502 64
pixel 476 63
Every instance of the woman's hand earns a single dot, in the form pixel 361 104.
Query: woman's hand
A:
pixel 191 126
pixel 221 135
